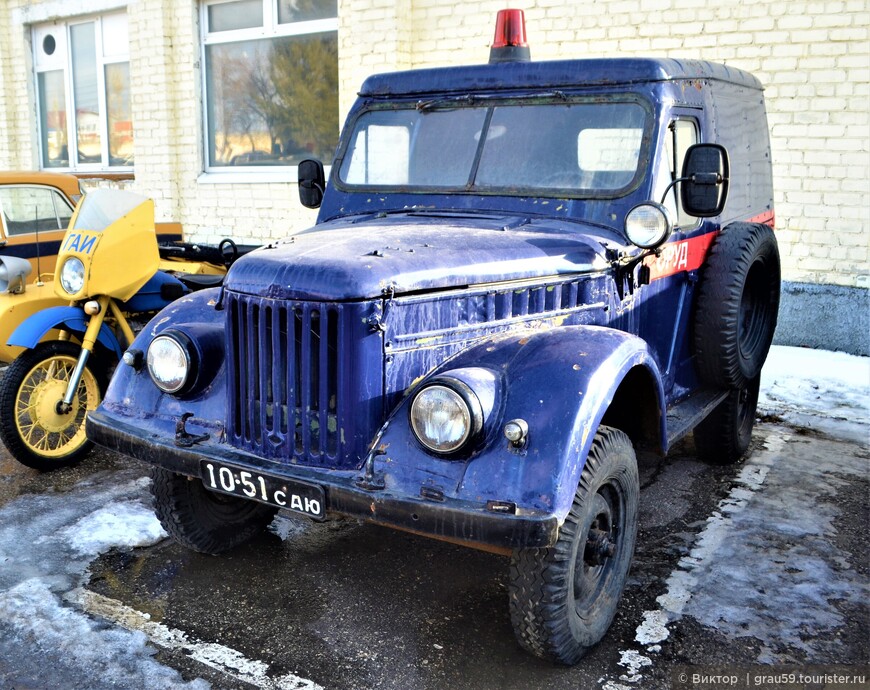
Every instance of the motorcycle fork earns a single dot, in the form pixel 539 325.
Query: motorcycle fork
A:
pixel 95 323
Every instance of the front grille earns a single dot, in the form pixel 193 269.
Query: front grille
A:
pixel 286 382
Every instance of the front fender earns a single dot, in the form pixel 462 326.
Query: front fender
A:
pixel 131 390
pixel 32 329
pixel 560 382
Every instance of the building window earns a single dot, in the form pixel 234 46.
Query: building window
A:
pixel 271 82
pixel 83 91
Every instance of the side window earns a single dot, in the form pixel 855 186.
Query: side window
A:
pixel 608 157
pixel 31 209
pixel 379 155
pixel 681 135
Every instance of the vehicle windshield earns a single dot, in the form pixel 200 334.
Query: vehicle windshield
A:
pixel 569 149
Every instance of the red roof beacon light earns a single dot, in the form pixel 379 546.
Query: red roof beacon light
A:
pixel 509 44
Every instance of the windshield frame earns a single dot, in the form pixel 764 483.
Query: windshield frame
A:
pixel 489 102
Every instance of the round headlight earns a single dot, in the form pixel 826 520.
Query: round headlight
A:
pixel 441 419
pixel 168 363
pixel 72 275
pixel 648 225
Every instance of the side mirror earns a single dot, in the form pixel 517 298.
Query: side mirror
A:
pixel 704 183
pixel 312 182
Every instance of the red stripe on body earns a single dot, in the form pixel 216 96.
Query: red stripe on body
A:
pixel 690 254
pixel 676 257
pixel 767 218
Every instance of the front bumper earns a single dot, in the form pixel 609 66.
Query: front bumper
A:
pixel 450 519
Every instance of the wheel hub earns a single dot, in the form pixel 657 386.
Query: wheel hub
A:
pixel 599 547
pixel 47 398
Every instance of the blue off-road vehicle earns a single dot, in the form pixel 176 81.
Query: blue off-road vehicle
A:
pixel 522 273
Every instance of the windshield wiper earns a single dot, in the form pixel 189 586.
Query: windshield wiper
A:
pixel 478 98
pixel 435 102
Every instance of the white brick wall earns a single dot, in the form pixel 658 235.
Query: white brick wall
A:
pixel 812 55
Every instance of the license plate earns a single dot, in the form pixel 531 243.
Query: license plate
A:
pixel 306 499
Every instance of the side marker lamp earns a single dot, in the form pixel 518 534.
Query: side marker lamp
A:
pixel 516 431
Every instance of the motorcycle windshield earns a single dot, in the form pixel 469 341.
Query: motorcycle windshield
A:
pixel 102 207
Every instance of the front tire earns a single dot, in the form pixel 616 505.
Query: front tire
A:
pixel 203 520
pixel 31 427
pixel 563 598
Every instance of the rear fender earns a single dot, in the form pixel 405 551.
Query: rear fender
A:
pixel 74 319
pixel 15 309
pixel 561 382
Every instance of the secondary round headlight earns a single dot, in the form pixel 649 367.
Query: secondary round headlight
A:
pixel 72 275
pixel 441 419
pixel 648 225
pixel 168 363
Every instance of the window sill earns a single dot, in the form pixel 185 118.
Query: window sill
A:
pixel 116 176
pixel 253 177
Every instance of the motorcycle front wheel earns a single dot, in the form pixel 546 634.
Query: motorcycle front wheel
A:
pixel 32 426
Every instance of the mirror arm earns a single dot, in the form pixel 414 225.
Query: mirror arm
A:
pixel 671 186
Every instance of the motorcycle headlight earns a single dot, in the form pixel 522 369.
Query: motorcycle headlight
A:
pixel 72 275
pixel 444 418
pixel 169 363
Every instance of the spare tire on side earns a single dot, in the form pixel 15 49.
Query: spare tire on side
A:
pixel 737 305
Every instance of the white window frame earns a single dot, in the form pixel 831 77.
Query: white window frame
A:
pixel 72 133
pixel 270 29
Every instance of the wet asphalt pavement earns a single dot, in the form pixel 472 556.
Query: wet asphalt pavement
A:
pixel 765 562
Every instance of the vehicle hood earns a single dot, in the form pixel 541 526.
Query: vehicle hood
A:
pixel 368 257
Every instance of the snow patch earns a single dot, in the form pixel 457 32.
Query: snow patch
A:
pixel 72 645
pixel 634 662
pixel 119 525
pixel 284 526
pixel 46 544
pixel 775 578
pixel 828 391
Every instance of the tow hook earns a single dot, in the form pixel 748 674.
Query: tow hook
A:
pixel 184 439
pixel 370 481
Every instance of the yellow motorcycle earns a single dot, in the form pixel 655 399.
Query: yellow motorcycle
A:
pixel 75 329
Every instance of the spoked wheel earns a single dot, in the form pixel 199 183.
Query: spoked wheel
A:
pixel 32 425
pixel 563 598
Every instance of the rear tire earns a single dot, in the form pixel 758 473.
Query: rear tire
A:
pixel 723 437
pixel 563 598
pixel 737 305
pixel 203 520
